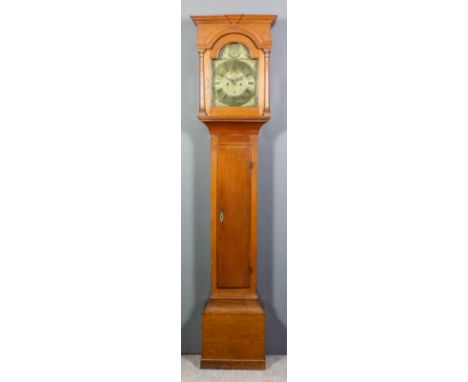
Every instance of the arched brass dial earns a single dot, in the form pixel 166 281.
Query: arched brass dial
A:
pixel 234 77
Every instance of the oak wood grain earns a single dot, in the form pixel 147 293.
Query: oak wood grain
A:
pixel 233 224
pixel 233 334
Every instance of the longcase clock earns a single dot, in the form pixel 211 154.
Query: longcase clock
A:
pixel 234 55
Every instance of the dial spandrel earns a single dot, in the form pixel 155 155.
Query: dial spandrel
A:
pixel 234 77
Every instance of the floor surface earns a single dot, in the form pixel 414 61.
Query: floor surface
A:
pixel 275 371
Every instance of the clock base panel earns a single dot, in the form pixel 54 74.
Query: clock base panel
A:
pixel 233 335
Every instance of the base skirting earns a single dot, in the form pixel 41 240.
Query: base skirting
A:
pixel 245 364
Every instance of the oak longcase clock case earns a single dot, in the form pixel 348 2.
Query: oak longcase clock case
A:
pixel 234 53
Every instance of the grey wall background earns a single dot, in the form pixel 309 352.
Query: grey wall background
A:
pixel 271 250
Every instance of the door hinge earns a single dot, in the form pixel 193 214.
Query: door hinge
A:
pixel 251 164
pixel 250 269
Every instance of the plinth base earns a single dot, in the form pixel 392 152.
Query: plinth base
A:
pixel 233 335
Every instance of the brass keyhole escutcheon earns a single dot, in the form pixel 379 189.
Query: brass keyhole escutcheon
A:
pixel 221 217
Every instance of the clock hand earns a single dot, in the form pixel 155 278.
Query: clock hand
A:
pixel 236 80
pixel 230 80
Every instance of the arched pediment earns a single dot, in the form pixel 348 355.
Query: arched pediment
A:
pixel 237 37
